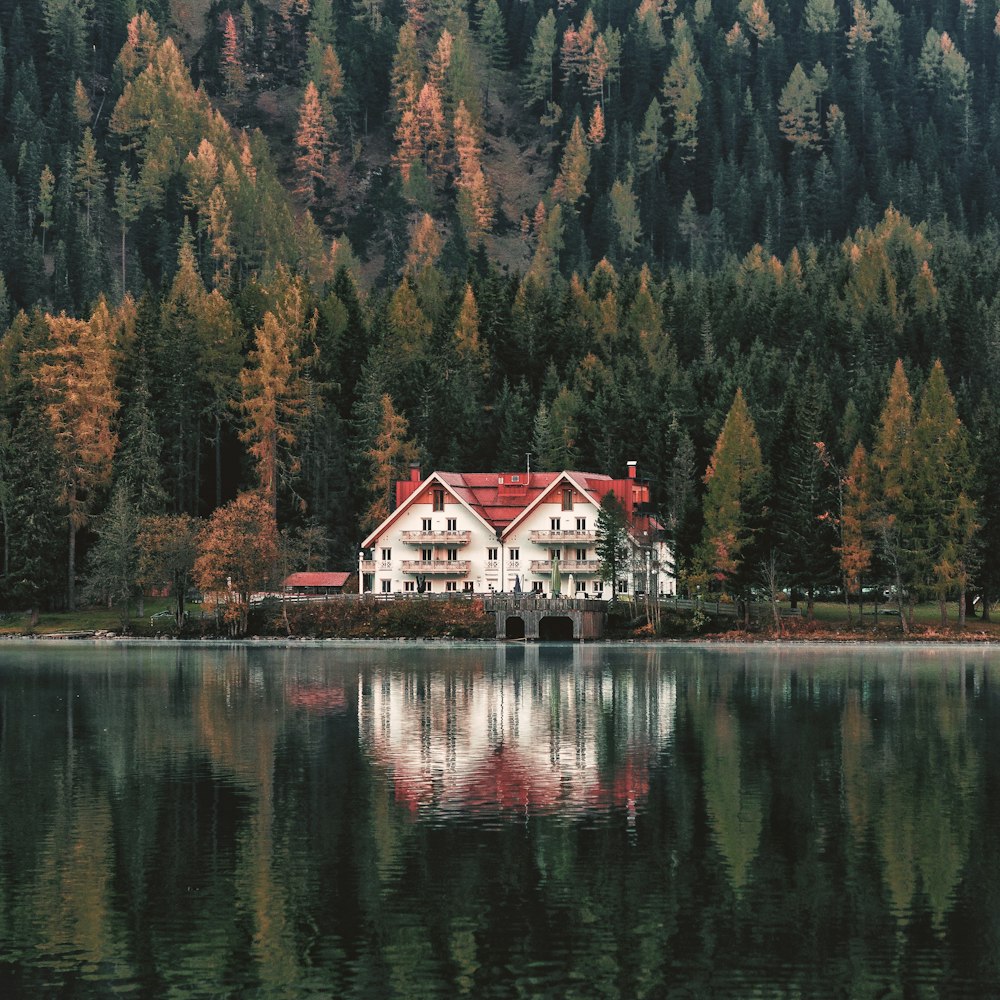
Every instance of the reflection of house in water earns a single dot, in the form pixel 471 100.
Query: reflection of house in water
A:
pixel 519 737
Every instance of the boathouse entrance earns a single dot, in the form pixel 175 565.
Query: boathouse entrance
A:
pixel 554 619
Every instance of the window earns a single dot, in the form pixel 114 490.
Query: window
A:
pixel 515 479
pixel 581 554
pixel 427 586
pixel 598 586
pixel 581 524
pixel 386 555
pixel 555 553
pixel 581 586
pixel 514 554
pixel 554 523
pixel 452 555
pixel 467 586
pixel 387 586
pixel 623 586
pixel 439 499
pixel 426 554
pixel 567 499
pixel 425 524
pixel 453 524
pixel 409 586
pixel 451 585
pixel 491 555
pixel 536 587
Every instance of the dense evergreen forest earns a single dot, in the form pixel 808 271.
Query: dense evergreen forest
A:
pixel 289 246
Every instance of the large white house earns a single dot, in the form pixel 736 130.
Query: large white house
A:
pixel 487 531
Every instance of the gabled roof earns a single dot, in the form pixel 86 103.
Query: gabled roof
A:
pixel 316 580
pixel 457 489
pixel 591 484
pixel 500 499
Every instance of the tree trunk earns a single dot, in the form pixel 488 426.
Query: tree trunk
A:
pixel 961 605
pixel 968 601
pixel 71 575
pixel 904 620
pixel 218 461
pixel 986 606
pixel 943 608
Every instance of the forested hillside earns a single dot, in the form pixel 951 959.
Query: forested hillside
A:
pixel 290 246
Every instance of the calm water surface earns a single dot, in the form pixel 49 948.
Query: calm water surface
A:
pixel 404 820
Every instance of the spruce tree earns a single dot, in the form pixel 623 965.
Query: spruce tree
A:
pixel 733 504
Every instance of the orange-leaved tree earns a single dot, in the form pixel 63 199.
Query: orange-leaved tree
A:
pixel 76 378
pixel 238 557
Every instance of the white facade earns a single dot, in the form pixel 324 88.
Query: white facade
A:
pixel 440 537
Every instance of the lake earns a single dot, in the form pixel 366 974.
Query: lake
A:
pixel 427 820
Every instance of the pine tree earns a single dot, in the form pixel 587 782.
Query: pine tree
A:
pixel 734 494
pixel 540 65
pixel 389 454
pixel 893 458
pixel 76 378
pixel 945 513
pixel 127 210
pixel 138 460
pixel 313 144
pixel 612 547
pixel 493 37
pixel 857 524
pixel 799 121
pixel 682 92
pixel 571 181
pixel 113 569
pixel 89 175
pixel 475 202
pixel 46 187
pixel 625 213
pixel 278 393
pixel 230 59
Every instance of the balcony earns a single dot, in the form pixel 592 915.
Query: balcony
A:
pixel 567 566
pixel 442 567
pixel 568 535
pixel 367 565
pixel 436 537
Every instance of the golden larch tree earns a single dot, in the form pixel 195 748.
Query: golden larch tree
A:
pixel 76 378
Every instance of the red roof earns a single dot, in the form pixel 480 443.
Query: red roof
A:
pixel 500 498
pixel 317 580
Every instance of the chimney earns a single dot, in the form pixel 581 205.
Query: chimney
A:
pixel 632 469
pixel 414 472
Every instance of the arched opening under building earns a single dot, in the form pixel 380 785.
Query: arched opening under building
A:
pixel 555 628
pixel 514 628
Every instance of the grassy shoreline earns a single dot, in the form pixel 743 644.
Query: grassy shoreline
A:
pixel 467 620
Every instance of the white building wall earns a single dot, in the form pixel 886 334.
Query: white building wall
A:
pixel 537 535
pixel 524 552
pixel 407 537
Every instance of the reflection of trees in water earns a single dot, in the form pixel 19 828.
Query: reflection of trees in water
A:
pixel 732 800
pixel 910 780
pixel 216 820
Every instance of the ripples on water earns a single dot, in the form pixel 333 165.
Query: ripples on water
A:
pixel 404 820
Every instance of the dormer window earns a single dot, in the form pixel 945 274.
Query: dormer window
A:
pixel 515 479
pixel 438 499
